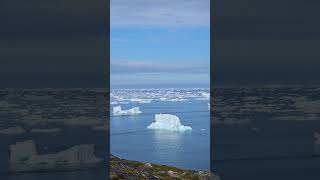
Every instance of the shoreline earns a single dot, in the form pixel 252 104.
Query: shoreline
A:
pixel 129 169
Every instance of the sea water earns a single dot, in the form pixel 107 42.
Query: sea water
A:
pixel 130 138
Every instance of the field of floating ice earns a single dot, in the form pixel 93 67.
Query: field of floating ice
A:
pixel 117 111
pixel 182 128
pixel 143 96
pixel 168 122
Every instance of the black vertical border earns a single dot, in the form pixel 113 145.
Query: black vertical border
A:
pixel 212 53
pixel 106 4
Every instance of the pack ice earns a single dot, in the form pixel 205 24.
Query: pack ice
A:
pixel 168 122
pixel 117 111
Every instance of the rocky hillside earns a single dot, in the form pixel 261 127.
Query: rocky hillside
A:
pixel 134 170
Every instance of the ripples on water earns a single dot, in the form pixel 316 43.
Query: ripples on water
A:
pixel 131 139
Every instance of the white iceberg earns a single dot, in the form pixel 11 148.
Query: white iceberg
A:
pixel 168 122
pixel 145 101
pixel 206 95
pixel 117 111
pixel 141 101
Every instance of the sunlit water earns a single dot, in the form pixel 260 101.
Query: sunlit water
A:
pixel 131 139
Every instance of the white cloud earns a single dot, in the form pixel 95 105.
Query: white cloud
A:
pixel 160 13
pixel 159 78
pixel 132 66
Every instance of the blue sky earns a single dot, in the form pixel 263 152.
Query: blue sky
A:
pixel 160 42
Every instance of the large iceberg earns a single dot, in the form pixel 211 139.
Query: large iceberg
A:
pixel 117 111
pixel 168 122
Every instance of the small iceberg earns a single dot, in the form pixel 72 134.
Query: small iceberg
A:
pixel 117 111
pixel 168 122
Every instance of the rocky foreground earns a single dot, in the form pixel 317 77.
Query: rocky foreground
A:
pixel 134 170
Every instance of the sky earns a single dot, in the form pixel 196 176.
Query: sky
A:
pixel 63 43
pixel 160 43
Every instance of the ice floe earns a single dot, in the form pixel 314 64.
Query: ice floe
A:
pixel 117 111
pixel 169 95
pixel 168 122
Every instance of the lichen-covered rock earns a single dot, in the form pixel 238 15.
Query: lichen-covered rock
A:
pixel 134 170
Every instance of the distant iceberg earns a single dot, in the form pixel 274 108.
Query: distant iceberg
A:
pixel 168 122
pixel 206 95
pixel 141 101
pixel 117 111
